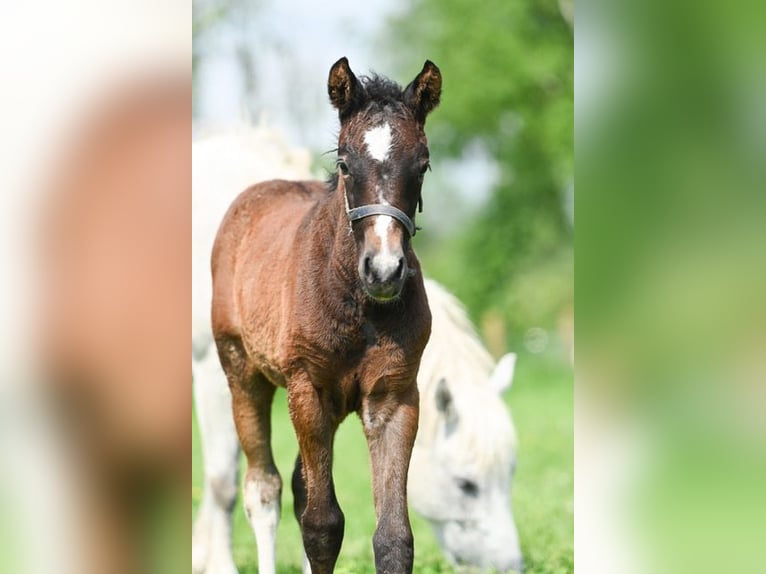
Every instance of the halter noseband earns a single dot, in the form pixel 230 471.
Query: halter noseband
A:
pixel 381 209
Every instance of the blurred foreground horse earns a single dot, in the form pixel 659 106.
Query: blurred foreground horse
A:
pixel 463 457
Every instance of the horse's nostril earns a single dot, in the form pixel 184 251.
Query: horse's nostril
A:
pixel 367 262
pixel 400 268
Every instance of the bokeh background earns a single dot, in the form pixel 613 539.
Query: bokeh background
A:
pixel 95 220
pixel 671 142
pixel 670 273
pixel 498 222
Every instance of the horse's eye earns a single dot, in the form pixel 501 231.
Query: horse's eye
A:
pixel 426 167
pixel 342 166
pixel 469 487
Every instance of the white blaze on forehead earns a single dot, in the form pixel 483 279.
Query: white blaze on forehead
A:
pixel 378 142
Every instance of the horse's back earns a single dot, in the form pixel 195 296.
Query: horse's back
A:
pixel 267 210
pixel 261 223
pixel 254 253
pixel 224 163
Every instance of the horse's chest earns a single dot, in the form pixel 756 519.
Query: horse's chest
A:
pixel 330 353
pixel 358 358
pixel 354 350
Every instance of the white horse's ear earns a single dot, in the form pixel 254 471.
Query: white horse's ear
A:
pixel 502 377
pixel 444 402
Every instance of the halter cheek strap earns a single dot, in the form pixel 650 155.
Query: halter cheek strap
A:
pixel 381 209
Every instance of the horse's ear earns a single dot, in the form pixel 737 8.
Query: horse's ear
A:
pixel 444 401
pixel 502 377
pixel 424 92
pixel 344 89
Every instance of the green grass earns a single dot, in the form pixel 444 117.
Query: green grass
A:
pixel 541 401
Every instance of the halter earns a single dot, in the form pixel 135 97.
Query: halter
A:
pixel 381 209
pixel 363 211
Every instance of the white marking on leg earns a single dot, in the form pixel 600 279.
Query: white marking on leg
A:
pixel 264 519
pixel 378 142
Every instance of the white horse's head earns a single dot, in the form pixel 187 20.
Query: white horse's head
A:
pixel 464 455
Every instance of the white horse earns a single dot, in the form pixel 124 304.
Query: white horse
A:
pixel 464 454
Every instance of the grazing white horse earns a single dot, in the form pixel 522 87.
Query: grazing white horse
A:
pixel 464 454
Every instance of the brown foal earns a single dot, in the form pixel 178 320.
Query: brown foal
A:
pixel 316 288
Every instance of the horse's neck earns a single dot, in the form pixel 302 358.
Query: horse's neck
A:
pixel 332 262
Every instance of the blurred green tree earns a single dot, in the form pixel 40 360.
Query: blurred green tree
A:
pixel 508 83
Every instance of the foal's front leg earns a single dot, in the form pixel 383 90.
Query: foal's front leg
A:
pixel 322 520
pixel 390 424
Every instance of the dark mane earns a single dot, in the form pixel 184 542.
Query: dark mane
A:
pixel 381 92
pixel 382 89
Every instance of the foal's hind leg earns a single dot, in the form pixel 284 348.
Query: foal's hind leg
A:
pixel 252 396
pixel 390 424
pixel 263 485
pixel 321 520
